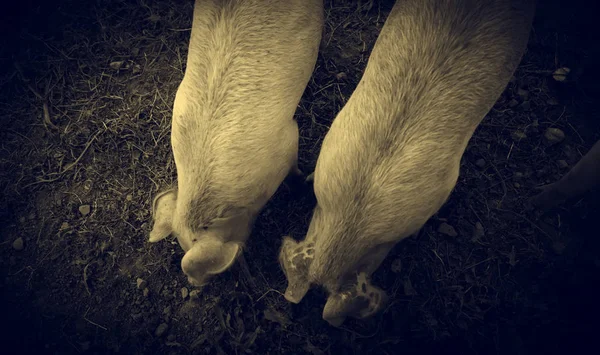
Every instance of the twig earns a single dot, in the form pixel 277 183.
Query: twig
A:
pixel 70 166
pixel 96 324
pixel 44 99
pixel 85 278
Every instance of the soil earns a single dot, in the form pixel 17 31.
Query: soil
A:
pixel 86 92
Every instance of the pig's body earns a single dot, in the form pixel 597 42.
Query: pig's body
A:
pixel 233 134
pixel 584 176
pixel 391 157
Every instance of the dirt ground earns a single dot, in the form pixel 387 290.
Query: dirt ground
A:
pixel 86 91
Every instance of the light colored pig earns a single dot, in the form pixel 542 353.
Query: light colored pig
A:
pixel 584 176
pixel 391 157
pixel 233 133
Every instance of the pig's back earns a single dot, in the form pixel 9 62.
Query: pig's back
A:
pixel 392 155
pixel 248 65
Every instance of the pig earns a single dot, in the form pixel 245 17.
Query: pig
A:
pixel 233 133
pixel 584 176
pixel 391 156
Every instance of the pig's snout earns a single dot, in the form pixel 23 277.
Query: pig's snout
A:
pixel 363 301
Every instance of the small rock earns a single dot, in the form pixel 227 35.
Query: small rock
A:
pixel 167 310
pixel 526 105
pixel 84 210
pixel 513 103
pixel 136 316
pixel 561 74
pixel 512 257
pixel 397 266
pixel 85 346
pixel 447 229
pixel 194 294
pixel 64 226
pixel 554 135
pixel 129 197
pixel 408 287
pixel 141 283
pixel 136 155
pixel 517 185
pixel 116 65
pixel 18 244
pixel 518 135
pixel 162 328
pixel 563 164
pixel 184 292
pixel 480 162
pixel 559 247
pixel 523 93
pixel 275 316
pixel 145 292
pixel 478 232
pixel 341 76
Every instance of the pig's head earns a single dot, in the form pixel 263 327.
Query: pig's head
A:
pixel 343 272
pixel 209 250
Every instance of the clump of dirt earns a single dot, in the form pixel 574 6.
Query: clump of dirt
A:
pixel 87 91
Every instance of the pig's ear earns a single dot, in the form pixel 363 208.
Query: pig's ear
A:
pixel 207 258
pixel 362 301
pixel 295 259
pixel 163 208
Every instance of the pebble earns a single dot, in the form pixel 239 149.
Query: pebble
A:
pixel 480 162
pixel 116 65
pixel 141 283
pixel 478 232
pixel 167 310
pixel 518 135
pixel 561 74
pixel 184 292
pixel 523 93
pixel 397 266
pixel 447 229
pixel 194 294
pixel 162 328
pixel 408 288
pixel 563 164
pixel 554 135
pixel 84 209
pixel 145 292
pixel 18 244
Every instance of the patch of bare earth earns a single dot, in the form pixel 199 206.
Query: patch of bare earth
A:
pixel 86 91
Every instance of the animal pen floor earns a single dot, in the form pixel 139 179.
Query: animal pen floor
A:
pixel 86 91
